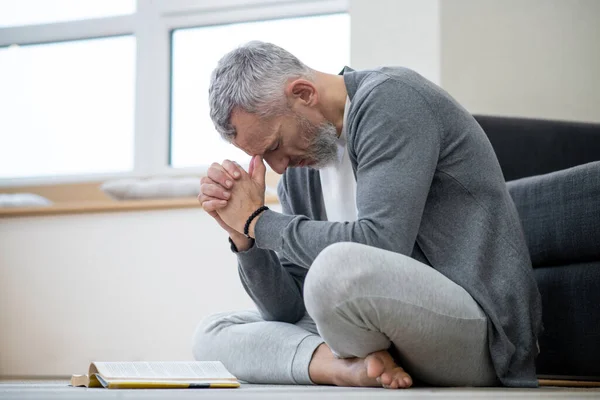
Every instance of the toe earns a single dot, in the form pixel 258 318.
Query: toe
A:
pixel 403 379
pixel 386 378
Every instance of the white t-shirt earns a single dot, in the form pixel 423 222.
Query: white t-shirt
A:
pixel 338 183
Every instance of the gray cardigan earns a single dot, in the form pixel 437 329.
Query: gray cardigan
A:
pixel 428 186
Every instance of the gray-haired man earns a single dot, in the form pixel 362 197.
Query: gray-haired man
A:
pixel 399 253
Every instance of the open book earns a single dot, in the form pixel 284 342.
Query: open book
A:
pixel 158 374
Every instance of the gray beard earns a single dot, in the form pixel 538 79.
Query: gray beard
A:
pixel 322 150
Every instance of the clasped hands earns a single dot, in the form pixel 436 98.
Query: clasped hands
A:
pixel 230 195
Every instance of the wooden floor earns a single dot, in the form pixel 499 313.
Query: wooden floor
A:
pixel 30 389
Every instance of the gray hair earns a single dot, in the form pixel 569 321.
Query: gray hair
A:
pixel 252 77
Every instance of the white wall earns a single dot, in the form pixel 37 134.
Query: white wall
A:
pixel 532 58
pixel 396 32
pixel 111 286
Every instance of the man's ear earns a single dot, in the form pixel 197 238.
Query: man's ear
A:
pixel 302 90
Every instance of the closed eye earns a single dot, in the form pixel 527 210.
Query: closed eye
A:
pixel 273 148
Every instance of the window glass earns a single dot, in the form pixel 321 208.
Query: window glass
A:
pixel 67 108
pixel 28 12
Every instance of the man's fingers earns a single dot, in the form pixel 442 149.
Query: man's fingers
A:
pixel 232 169
pixel 240 168
pixel 217 173
pixel 213 205
pixel 214 190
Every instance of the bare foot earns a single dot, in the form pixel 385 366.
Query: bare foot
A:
pixel 381 365
pixel 377 369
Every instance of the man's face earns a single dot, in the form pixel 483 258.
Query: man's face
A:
pixel 290 140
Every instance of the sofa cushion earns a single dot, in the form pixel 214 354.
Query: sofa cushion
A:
pixel 570 344
pixel 560 214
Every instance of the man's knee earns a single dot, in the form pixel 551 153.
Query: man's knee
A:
pixel 204 336
pixel 210 336
pixel 334 275
pixel 329 263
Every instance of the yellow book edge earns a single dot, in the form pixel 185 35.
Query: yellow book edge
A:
pixel 95 380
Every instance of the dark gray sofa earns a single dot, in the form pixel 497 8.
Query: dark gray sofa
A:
pixel 552 170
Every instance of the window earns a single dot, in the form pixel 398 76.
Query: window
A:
pixel 29 12
pixel 67 107
pixel 323 45
pixel 106 89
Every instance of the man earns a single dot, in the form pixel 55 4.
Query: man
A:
pixel 399 254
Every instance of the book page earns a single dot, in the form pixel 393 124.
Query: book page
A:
pixel 164 370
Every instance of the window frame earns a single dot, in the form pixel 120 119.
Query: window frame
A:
pixel 152 25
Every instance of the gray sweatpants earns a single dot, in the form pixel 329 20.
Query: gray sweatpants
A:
pixel 361 300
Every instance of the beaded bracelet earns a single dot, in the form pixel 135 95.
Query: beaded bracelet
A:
pixel 254 215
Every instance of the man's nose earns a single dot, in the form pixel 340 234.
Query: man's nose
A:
pixel 279 164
